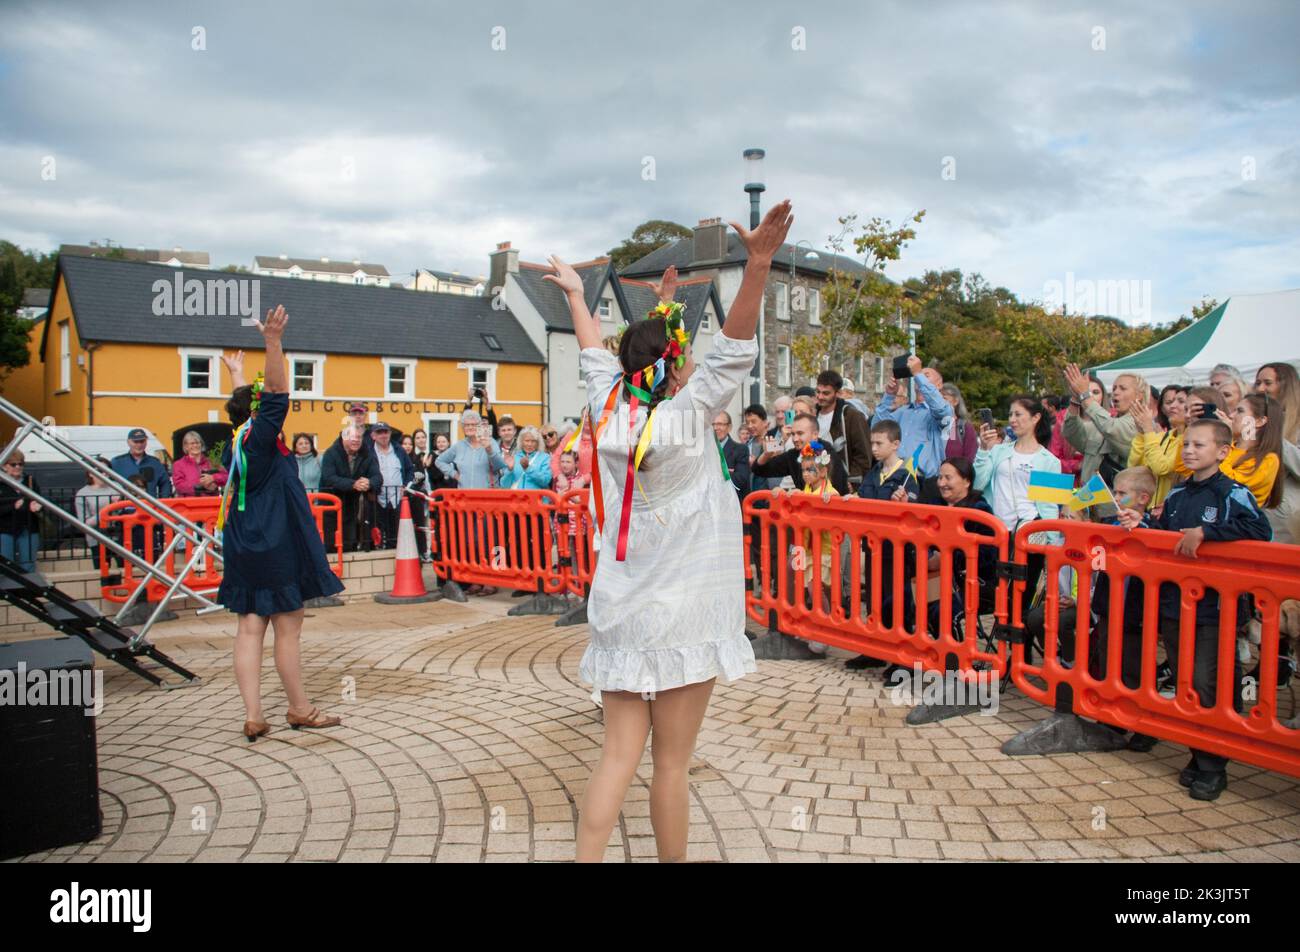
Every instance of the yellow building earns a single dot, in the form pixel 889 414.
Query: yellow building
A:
pixel 132 344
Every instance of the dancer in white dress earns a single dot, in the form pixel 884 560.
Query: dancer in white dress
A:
pixel 666 610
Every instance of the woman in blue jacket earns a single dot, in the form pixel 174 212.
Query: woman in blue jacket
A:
pixel 1002 474
pixel 530 468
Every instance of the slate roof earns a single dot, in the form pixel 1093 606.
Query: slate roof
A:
pixel 549 299
pixel 36 297
pixel 276 263
pixel 681 251
pixel 112 301
pixel 456 278
pixel 638 298
pixel 196 258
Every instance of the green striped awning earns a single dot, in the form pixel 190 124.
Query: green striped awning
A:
pixel 1178 350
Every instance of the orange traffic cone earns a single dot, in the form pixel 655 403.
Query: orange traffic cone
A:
pixel 408 583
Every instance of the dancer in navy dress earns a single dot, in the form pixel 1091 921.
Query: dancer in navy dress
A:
pixel 273 556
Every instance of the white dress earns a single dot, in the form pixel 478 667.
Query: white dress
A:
pixel 672 613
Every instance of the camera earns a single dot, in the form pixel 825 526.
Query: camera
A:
pixel 900 370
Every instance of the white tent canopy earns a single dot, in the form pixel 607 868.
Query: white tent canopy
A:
pixel 1246 331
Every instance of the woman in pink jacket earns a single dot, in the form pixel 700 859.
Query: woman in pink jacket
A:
pixel 193 474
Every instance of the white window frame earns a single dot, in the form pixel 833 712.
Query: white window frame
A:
pixel 317 392
pixel 782 365
pixel 605 308
pixel 880 374
pixel 782 301
pixel 491 378
pixel 706 321
pixel 452 418
pixel 389 363
pixel 65 357
pixel 213 356
pixel 814 307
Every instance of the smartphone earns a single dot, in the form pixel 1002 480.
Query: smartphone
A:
pixel 986 416
pixel 1209 411
pixel 789 417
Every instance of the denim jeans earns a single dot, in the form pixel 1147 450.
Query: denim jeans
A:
pixel 20 548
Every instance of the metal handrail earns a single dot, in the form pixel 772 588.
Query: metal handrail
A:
pixel 181 527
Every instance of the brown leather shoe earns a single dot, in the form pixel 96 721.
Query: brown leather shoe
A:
pixel 255 729
pixel 488 590
pixel 314 719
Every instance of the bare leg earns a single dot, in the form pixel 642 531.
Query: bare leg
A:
pixel 248 663
pixel 676 716
pixel 288 627
pixel 627 724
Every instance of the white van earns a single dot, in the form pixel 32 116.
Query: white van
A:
pixel 105 441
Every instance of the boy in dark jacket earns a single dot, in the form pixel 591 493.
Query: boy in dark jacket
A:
pixel 888 479
pixel 1207 507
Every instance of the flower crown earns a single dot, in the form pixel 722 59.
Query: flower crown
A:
pixel 817 452
pixel 258 383
pixel 675 333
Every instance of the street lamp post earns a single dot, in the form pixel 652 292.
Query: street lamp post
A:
pixel 755 187
pixel 754 183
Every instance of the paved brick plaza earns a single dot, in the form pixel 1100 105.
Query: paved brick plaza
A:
pixel 469 739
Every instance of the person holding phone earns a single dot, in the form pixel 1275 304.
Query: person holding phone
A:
pixel 924 422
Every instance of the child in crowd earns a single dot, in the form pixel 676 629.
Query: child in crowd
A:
pixel 889 478
pixel 569 477
pixel 1256 452
pixel 815 462
pixel 1208 506
pixel 1135 490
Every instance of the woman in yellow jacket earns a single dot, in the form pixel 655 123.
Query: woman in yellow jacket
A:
pixel 1256 454
pixel 1161 450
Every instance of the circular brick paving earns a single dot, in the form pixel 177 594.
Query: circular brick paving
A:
pixel 467 737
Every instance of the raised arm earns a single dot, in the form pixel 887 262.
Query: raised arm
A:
pixel 762 244
pixel 585 327
pixel 276 380
pixel 235 364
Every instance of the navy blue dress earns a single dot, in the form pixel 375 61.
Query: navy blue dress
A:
pixel 274 559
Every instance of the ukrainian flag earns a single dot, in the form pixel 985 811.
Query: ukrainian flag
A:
pixel 1054 488
pixel 1095 493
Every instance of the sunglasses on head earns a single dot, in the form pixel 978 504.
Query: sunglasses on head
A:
pixel 550 434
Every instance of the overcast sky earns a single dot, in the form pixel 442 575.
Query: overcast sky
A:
pixel 1128 162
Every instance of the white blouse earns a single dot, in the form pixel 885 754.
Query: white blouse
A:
pixel 672 613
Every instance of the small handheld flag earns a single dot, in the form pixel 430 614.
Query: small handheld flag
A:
pixel 913 460
pixel 1094 493
pixel 1054 488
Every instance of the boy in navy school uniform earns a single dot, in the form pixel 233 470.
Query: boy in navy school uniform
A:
pixel 1207 507
pixel 890 479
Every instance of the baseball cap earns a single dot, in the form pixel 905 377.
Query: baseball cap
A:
pixel 357 405
pixel 848 386
pixel 137 434
pixel 381 425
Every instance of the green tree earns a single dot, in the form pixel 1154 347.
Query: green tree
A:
pixel 863 313
pixel 646 237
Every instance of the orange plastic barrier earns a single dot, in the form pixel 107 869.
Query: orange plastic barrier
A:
pixel 497 537
pixel 1268 572
pixel 204 577
pixel 797 540
pixel 575 531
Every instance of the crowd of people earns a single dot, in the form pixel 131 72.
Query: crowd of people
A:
pixel 1218 462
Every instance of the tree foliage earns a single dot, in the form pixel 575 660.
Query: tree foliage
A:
pixel 862 313
pixel 992 345
pixel 646 237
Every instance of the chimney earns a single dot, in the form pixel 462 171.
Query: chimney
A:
pixel 710 241
pixel 503 261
